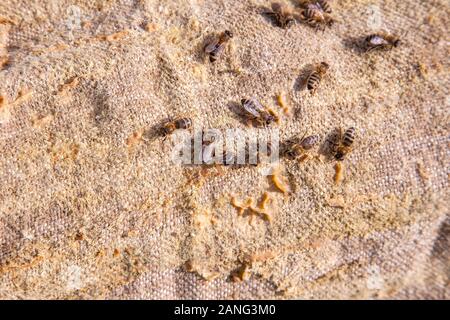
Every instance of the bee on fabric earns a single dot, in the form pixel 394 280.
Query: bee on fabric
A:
pixel 322 5
pixel 254 111
pixel 381 41
pixel 343 144
pixel 316 75
pixel 295 148
pixel 314 16
pixel 170 126
pixel 282 15
pixel 217 46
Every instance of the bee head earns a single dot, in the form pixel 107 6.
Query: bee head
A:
pixel 324 66
pixel 339 156
pixel 167 129
pixel 397 42
pixel 289 22
pixel 330 21
pixel 228 33
pixel 269 119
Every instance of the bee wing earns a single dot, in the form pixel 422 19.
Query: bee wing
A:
pixel 376 41
pixel 258 106
pixel 212 46
pixel 250 110
pixel 253 107
pixel 277 7
pixel 219 49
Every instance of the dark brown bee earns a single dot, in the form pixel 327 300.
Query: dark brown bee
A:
pixel 322 5
pixel 381 41
pixel 315 17
pixel 254 111
pixel 282 15
pixel 170 126
pixel 344 143
pixel 216 47
pixel 316 75
pixel 295 148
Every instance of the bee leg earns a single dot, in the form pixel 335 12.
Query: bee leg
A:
pixel 373 48
pixel 303 158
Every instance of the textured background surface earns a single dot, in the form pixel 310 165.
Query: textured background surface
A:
pixel 88 209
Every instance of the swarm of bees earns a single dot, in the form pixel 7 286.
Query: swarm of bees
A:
pixel 317 14
pixel 316 75
pixel 215 48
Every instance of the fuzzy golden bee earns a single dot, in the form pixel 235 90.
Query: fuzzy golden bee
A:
pixel 381 41
pixel 295 148
pixel 282 15
pixel 170 126
pixel 343 143
pixel 316 75
pixel 215 48
pixel 315 17
pixel 254 111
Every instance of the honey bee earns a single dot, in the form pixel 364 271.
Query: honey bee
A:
pixel 282 15
pixel 316 75
pixel 381 41
pixel 216 47
pixel 322 5
pixel 343 144
pixel 170 126
pixel 316 17
pixel 294 148
pixel 256 112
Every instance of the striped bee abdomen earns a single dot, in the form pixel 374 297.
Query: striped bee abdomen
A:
pixel 313 81
pixel 349 137
pixel 183 123
pixel 309 14
pixel 325 6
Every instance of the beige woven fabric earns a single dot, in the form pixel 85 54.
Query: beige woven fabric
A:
pixel 91 205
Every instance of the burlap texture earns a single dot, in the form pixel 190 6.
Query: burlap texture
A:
pixel 91 205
